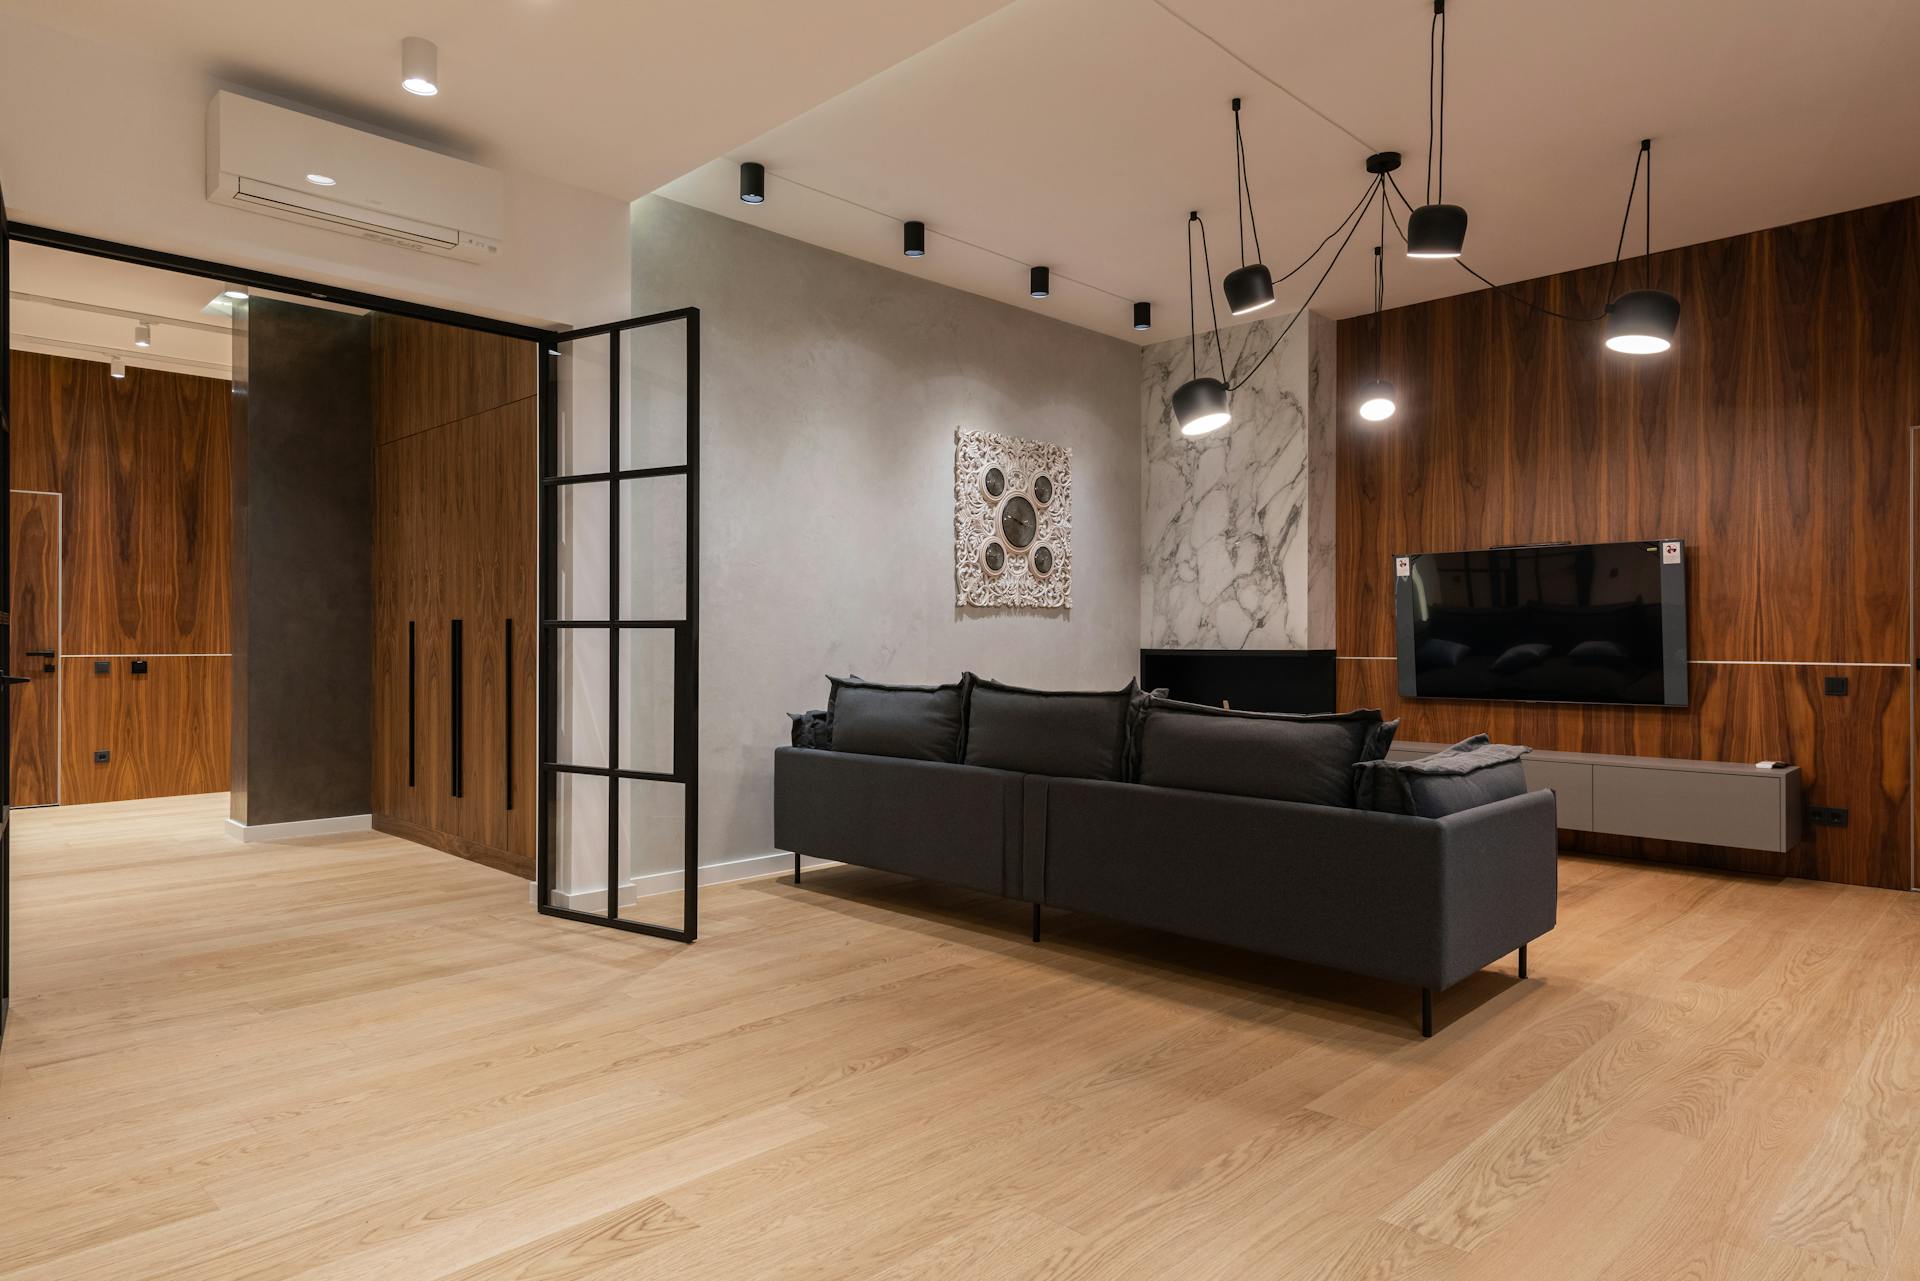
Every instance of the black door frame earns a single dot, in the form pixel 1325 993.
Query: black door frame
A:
pixel 273 282
pixel 686 630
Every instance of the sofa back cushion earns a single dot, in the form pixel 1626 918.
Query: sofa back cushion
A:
pixel 1063 733
pixel 914 722
pixel 1279 756
pixel 1472 772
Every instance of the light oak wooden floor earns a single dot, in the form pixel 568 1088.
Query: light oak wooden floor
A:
pixel 357 1058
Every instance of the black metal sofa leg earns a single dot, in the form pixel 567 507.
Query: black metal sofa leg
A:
pixel 1523 960
pixel 796 867
pixel 1426 1011
pixel 1036 922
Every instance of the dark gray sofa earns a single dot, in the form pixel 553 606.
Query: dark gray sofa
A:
pixel 1414 900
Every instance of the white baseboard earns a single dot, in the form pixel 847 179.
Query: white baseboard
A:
pixel 736 869
pixel 255 833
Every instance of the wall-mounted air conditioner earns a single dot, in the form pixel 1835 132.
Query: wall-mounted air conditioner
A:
pixel 287 165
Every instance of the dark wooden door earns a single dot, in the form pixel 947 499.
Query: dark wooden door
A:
pixel 33 553
pixel 6 595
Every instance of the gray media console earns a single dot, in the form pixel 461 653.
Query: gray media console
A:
pixel 1700 802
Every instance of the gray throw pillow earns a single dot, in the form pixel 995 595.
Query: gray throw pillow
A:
pixel 915 722
pixel 1279 756
pixel 1471 773
pixel 1062 733
pixel 811 729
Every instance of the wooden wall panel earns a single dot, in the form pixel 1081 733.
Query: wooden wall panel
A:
pixel 1774 439
pixel 456 483
pixel 142 462
pixel 34 544
pixel 168 731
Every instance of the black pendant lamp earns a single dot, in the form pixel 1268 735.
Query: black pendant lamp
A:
pixel 1437 229
pixel 1642 322
pixel 1377 400
pixel 1200 404
pixel 1248 287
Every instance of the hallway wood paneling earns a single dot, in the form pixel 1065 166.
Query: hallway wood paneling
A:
pixel 455 538
pixel 168 731
pixel 143 464
pixel 1773 439
pixel 34 545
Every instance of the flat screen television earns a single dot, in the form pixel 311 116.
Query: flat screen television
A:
pixel 1551 623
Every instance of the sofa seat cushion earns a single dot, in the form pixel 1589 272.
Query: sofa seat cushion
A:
pixel 1061 733
pixel 912 722
pixel 1277 756
pixel 1471 773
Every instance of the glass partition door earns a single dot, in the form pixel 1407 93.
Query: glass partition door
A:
pixel 620 637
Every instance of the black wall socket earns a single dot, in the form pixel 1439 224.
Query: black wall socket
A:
pixel 1836 685
pixel 1826 816
pixel 101 758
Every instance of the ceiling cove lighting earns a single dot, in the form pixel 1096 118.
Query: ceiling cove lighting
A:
pixel 419 66
pixel 319 180
pixel 753 183
pixel 116 368
pixel 1437 229
pixel 915 239
pixel 142 334
pixel 1039 282
pixel 1248 287
pixel 1143 315
pixel 1201 404
pixel 1641 322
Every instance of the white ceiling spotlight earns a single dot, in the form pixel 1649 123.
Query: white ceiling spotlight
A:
pixel 235 294
pixel 117 368
pixel 319 180
pixel 419 66
pixel 142 334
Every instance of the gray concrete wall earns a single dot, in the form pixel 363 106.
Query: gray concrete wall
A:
pixel 302 563
pixel 831 389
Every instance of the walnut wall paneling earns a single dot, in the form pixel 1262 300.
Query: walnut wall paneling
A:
pixel 165 731
pixel 1773 438
pixel 34 546
pixel 143 464
pixel 455 483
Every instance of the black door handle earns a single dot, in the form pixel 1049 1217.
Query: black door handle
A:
pixel 40 653
pixel 14 680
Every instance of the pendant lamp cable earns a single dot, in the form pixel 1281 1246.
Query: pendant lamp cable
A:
pixel 1437 139
pixel 1193 329
pixel 1355 217
pixel 1613 271
pixel 1243 187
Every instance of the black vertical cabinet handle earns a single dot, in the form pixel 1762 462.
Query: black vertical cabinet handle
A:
pixel 507 685
pixel 459 718
pixel 411 684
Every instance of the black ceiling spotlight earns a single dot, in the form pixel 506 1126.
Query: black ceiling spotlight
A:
pixel 1377 401
pixel 1200 404
pixel 753 183
pixel 1437 229
pixel 916 240
pixel 1039 282
pixel 1248 287
pixel 1641 322
pixel 1143 315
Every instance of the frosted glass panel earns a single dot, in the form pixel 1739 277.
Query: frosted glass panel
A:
pixel 581 404
pixel 653 548
pixel 646 700
pixel 583 704
pixel 582 566
pixel 579 843
pixel 653 830
pixel 653 413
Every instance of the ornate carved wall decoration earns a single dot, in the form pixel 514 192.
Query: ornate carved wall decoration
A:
pixel 1012 522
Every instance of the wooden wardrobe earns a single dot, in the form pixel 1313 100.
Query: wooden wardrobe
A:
pixel 456 488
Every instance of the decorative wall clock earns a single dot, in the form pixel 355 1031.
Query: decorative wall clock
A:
pixel 1012 522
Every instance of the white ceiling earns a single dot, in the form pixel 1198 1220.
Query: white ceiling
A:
pixel 52 291
pixel 1079 132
